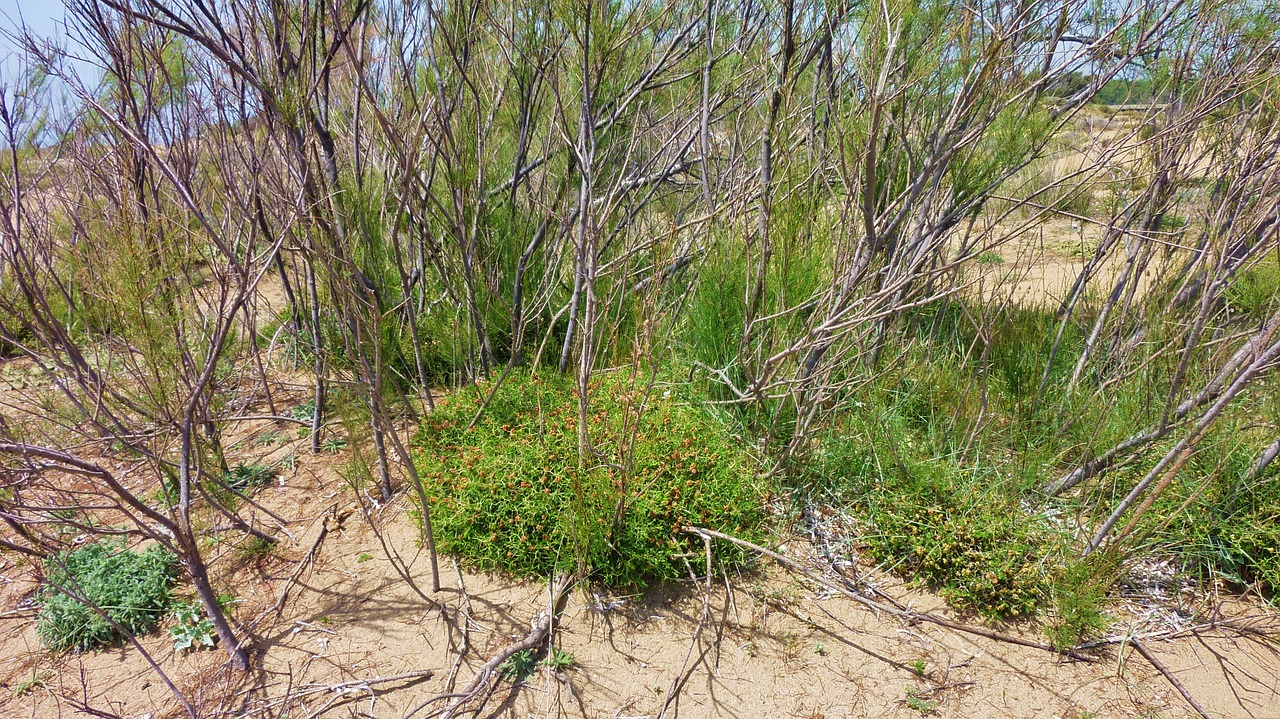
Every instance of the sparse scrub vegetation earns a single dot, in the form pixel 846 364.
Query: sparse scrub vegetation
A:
pixel 986 297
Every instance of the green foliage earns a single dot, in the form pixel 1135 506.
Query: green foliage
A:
pixel 1079 596
pixel 896 462
pixel 1257 292
pixel 520 666
pixel 39 678
pixel 919 701
pixel 131 587
pixel 243 477
pixel 524 663
pixel 303 410
pixel 193 628
pixel 1120 91
pixel 959 532
pixel 509 493
pixel 559 660
pixel 716 313
pixel 1231 527
pixel 955 504
pixel 985 556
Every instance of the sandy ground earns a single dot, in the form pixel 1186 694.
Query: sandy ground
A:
pixel 771 645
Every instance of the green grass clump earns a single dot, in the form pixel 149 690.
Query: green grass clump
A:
pixel 243 477
pixel 508 493
pixel 1230 527
pixel 132 588
pixel 1079 596
pixel 961 532
pixel 1257 291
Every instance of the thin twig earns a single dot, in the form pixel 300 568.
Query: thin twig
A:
pixel 881 607
pixel 1160 667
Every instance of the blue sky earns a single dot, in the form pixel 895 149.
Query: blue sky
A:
pixel 44 18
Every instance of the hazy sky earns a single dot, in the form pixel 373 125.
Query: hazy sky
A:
pixel 44 17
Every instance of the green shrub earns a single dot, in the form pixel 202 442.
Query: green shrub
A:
pixel 982 557
pixel 508 494
pixel 132 588
pixel 960 533
pixel 1079 595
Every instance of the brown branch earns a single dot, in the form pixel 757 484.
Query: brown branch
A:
pixel 482 684
pixel 1160 667
pixel 904 614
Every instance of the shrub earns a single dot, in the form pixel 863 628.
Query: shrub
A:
pixel 1079 595
pixel 980 557
pixel 132 588
pixel 957 532
pixel 507 494
pixel 243 477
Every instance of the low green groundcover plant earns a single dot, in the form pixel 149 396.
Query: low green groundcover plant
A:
pixel 940 527
pixel 131 587
pixel 981 559
pixel 508 493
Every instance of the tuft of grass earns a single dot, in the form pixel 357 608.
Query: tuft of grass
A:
pixel 243 477
pixel 1231 526
pixel 1079 597
pixel 132 588
pixel 1257 291
pixel 509 494
pixel 39 679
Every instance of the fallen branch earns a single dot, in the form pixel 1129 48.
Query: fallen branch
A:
pixel 482 684
pixel 1160 667
pixel 342 688
pixel 332 520
pixel 678 682
pixel 881 607
pixel 363 684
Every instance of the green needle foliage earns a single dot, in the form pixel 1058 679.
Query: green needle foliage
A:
pixel 1079 595
pixel 131 587
pixel 508 493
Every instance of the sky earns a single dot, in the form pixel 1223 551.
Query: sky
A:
pixel 44 18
